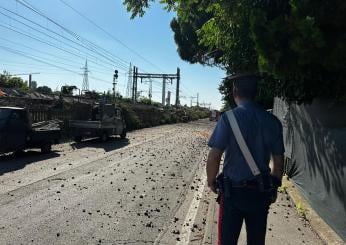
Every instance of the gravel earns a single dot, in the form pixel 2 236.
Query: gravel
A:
pixel 116 192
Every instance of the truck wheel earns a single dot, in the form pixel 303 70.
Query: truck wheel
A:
pixel 46 148
pixel 123 134
pixel 19 152
pixel 78 139
pixel 104 137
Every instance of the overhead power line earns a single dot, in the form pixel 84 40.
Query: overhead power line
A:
pixel 52 55
pixel 18 52
pixel 65 60
pixel 22 32
pixel 70 32
pixel 106 59
pixel 110 35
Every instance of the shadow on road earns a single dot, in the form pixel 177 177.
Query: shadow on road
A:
pixel 110 145
pixel 13 162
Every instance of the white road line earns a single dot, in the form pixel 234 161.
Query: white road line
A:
pixel 185 232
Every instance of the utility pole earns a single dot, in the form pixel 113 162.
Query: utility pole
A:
pixel 197 99
pixel 134 84
pixel 169 98
pixel 164 90
pixel 150 89
pixel 115 77
pixel 177 101
pixel 85 85
pixel 129 83
pixel 30 77
pixel 30 81
pixel 192 98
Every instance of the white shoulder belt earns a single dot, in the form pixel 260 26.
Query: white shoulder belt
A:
pixel 242 144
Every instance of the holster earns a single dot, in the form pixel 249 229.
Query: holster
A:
pixel 261 183
pixel 265 182
pixel 220 186
pixel 272 190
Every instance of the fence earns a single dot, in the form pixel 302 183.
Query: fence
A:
pixel 315 142
pixel 43 110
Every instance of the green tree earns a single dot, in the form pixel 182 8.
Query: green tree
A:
pixel 186 29
pixel 299 46
pixel 44 90
pixel 7 81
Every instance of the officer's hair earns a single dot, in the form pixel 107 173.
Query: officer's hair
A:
pixel 245 87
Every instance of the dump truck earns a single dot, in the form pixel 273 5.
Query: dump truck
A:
pixel 106 120
pixel 17 133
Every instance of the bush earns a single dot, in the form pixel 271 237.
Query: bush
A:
pixel 166 118
pixel 196 113
pixel 168 115
pixel 132 120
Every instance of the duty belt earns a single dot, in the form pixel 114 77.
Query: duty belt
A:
pixel 225 185
pixel 250 184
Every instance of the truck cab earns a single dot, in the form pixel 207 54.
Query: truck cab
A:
pixel 214 115
pixel 17 132
pixel 105 120
pixel 14 125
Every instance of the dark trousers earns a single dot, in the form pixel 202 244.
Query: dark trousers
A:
pixel 239 205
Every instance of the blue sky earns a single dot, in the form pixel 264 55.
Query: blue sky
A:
pixel 150 36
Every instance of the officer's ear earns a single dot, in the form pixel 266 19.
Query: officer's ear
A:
pixel 235 91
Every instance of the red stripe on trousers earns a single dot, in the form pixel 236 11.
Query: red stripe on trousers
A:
pixel 220 220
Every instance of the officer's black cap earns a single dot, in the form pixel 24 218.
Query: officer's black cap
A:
pixel 245 83
pixel 244 77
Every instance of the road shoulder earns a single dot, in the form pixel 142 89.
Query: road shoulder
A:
pixel 211 235
pixel 322 229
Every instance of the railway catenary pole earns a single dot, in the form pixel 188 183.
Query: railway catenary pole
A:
pixel 134 84
pixel 164 77
pixel 164 90
pixel 177 100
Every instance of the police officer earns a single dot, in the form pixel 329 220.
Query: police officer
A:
pixel 242 198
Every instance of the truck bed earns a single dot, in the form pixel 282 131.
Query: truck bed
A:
pixel 91 124
pixel 47 125
pixel 41 136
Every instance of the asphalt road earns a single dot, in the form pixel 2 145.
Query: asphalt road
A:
pixel 148 189
pixel 143 190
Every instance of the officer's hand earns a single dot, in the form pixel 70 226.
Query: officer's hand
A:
pixel 273 195
pixel 212 186
pixel 276 183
